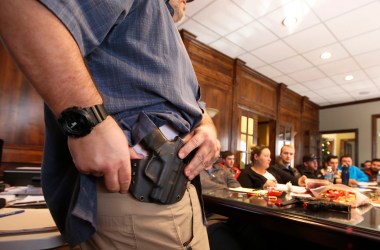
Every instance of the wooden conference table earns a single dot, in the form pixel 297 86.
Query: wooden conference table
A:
pixel 33 229
pixel 359 229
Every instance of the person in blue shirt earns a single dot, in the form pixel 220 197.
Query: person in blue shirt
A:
pixel 356 174
pixel 113 72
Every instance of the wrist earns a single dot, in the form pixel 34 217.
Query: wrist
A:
pixel 78 122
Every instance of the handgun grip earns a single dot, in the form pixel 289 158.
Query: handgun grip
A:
pixel 160 176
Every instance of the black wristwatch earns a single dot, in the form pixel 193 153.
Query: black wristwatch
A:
pixel 78 122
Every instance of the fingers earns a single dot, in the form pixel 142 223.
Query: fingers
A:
pixel 208 149
pixel 134 155
pixel 118 179
pixel 111 182
pixel 104 152
pixel 124 175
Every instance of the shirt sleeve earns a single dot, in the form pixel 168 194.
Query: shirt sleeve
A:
pixel 361 176
pixel 89 21
pixel 231 181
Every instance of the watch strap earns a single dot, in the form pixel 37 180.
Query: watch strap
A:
pixel 97 112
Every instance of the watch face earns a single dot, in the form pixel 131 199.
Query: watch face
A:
pixel 76 122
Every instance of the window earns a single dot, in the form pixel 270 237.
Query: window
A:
pixel 247 139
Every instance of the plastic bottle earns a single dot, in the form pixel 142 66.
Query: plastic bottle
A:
pixel 329 174
pixel 345 175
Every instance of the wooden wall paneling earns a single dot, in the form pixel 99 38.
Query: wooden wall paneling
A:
pixel 215 73
pixel 258 93
pixel 220 99
pixel 310 111
pixel 289 113
pixel 21 114
pixel 310 127
pixel 254 95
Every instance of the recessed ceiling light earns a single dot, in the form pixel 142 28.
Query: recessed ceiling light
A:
pixel 289 21
pixel 325 55
pixel 349 77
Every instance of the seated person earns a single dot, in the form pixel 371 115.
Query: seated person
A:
pixel 371 171
pixel 333 162
pixel 365 165
pixel 215 177
pixel 356 175
pixel 228 161
pixel 283 170
pixel 257 176
pixel 309 167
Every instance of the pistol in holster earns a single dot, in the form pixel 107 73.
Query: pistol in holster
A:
pixel 159 177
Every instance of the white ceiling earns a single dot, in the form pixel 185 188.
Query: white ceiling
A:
pixel 252 30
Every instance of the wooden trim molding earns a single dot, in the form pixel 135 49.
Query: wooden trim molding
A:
pixel 22 153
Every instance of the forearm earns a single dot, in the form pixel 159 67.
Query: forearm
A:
pixel 47 54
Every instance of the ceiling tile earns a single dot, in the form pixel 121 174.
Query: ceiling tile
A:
pixel 292 64
pixel 326 9
pixel 252 36
pixel 347 25
pixel 333 91
pixel 298 9
pixel 274 52
pixel 203 34
pixel 251 61
pixel 285 80
pixel 310 39
pixel 226 17
pixel 363 43
pixel 357 87
pixel 311 94
pixel 321 101
pixel 377 82
pixel 259 8
pixel 307 74
pixel 349 29
pixel 337 51
pixel 339 98
pixel 319 84
pixel 230 49
pixel 268 71
pixel 369 59
pixel 196 6
pixel 358 75
pixel 373 71
pixel 299 88
pixel 339 67
pixel 370 94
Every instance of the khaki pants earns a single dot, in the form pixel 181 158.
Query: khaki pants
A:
pixel 126 223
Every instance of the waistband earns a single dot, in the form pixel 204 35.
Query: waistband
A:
pixel 168 131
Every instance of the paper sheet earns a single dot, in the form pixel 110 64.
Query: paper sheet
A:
pixel 242 190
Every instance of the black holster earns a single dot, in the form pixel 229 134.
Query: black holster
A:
pixel 159 177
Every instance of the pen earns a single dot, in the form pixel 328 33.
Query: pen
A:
pixel 12 213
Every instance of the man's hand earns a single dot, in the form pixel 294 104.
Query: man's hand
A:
pixel 353 182
pixel 105 152
pixel 302 181
pixel 205 141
